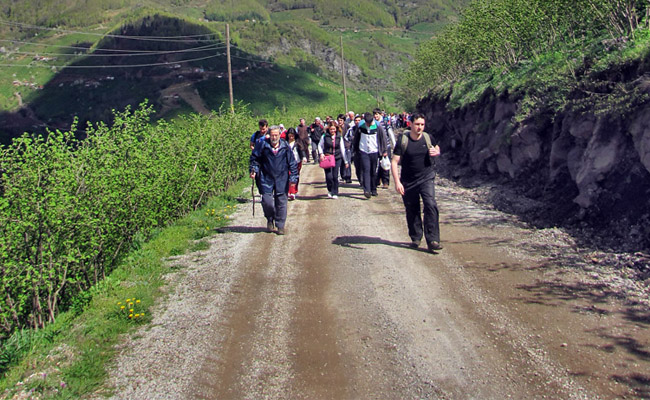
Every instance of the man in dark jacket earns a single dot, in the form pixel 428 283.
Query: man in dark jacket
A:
pixel 303 139
pixel 416 180
pixel 315 130
pixel 273 160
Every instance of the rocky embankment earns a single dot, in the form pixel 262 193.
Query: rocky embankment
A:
pixel 588 164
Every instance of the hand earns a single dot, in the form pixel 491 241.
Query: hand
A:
pixel 321 157
pixel 385 155
pixel 399 188
pixel 347 165
pixel 434 151
pixel 253 175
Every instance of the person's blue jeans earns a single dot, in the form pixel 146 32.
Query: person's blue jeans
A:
pixel 275 208
pixel 369 171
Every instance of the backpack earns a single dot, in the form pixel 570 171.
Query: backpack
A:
pixel 405 140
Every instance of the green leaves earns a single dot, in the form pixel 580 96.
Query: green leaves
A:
pixel 503 33
pixel 69 209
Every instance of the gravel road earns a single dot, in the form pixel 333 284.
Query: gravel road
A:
pixel 341 308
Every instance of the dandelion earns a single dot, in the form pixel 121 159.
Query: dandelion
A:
pixel 128 300
pixel 137 301
pixel 119 302
pixel 130 315
pixel 122 308
pixel 131 310
pixel 137 315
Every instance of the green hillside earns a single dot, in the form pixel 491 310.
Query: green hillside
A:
pixel 298 40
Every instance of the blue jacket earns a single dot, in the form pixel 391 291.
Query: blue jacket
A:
pixel 274 170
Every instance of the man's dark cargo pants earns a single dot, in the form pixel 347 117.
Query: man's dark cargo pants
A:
pixel 426 191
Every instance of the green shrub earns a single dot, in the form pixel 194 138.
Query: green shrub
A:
pixel 70 208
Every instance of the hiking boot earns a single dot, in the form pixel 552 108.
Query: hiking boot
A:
pixel 433 246
pixel 367 194
pixel 280 231
pixel 414 244
pixel 269 226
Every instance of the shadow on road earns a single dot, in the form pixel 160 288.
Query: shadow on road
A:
pixel 351 241
pixel 241 229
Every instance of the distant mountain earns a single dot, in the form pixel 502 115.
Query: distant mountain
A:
pixel 378 39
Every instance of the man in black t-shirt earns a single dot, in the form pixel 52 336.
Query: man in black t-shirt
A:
pixel 417 181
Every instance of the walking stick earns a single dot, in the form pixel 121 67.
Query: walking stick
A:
pixel 253 194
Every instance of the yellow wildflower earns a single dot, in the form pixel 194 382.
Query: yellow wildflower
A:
pixel 122 308
pixel 130 315
pixel 137 301
pixel 131 310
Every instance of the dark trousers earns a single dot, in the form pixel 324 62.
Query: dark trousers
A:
pixel 304 146
pixel 275 208
pixel 346 173
pixel 369 171
pixel 332 177
pixel 426 190
pixel 314 151
pixel 356 160
pixel 383 176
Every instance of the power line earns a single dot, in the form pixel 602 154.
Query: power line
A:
pixel 110 66
pixel 96 50
pixel 203 48
pixel 180 38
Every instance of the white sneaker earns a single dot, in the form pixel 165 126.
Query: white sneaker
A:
pixel 335 196
pixel 329 194
pixel 304 161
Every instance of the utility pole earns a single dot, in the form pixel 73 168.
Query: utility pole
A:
pixel 232 102
pixel 345 93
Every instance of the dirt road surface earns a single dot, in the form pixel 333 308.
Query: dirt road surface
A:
pixel 341 308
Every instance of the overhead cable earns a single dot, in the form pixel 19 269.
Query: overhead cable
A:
pixel 180 38
pixel 110 66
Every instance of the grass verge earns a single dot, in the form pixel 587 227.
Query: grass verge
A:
pixel 70 358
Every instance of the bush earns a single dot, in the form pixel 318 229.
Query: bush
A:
pixel 70 208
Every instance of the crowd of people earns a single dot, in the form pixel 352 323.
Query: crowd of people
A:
pixel 364 142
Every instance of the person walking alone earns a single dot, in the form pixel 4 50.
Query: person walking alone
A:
pixel 416 152
pixel 274 160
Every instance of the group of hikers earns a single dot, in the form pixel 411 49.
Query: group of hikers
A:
pixel 366 141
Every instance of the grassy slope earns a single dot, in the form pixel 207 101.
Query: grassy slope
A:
pixel 381 52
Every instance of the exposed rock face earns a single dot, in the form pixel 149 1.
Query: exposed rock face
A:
pixel 592 166
pixel 331 57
